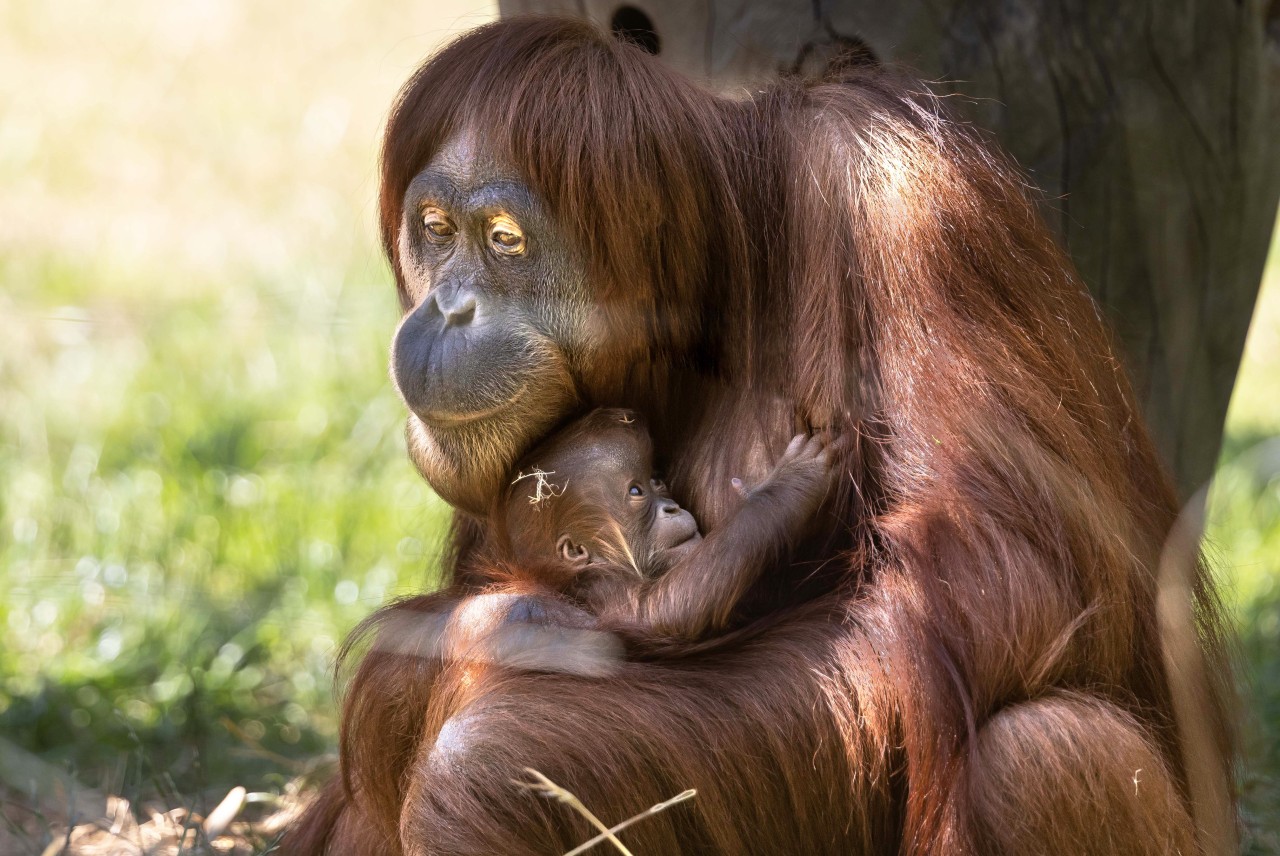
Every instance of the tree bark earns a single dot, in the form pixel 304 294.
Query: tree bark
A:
pixel 1152 126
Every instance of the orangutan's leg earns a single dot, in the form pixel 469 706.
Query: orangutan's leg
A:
pixel 1072 774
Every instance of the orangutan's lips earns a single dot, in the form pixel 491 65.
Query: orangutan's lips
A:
pixel 695 535
pixel 454 420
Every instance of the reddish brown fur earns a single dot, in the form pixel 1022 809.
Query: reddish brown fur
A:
pixel 522 526
pixel 660 596
pixel 975 665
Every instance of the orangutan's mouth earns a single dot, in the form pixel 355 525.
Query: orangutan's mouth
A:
pixel 441 419
pixel 692 538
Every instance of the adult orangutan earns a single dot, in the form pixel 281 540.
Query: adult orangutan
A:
pixel 964 658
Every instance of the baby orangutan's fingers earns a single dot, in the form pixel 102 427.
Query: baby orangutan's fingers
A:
pixel 794 448
pixel 813 450
pixel 836 445
pixel 740 487
pixel 842 442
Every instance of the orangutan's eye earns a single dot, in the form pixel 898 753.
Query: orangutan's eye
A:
pixel 635 490
pixel 439 228
pixel 506 236
pixel 659 485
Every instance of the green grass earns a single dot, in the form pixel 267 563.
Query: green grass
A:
pixel 205 485
pixel 202 498
pixel 1244 531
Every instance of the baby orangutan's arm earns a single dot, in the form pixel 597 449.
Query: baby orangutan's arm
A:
pixel 699 593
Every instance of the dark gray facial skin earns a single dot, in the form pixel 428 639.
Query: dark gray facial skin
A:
pixel 656 525
pixel 485 357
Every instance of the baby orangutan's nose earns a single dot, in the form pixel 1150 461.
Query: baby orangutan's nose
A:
pixel 669 506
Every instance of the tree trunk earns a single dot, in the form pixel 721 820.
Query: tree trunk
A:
pixel 1152 126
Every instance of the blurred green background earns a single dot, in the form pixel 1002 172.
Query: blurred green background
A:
pixel 204 481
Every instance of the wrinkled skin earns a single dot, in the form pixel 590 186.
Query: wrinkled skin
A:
pixel 497 328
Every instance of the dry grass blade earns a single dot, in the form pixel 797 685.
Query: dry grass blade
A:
pixel 543 487
pixel 220 818
pixel 551 790
pixel 649 812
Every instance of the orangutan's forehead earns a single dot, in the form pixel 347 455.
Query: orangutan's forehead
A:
pixel 466 162
pixel 620 457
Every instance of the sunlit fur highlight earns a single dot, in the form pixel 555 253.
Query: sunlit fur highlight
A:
pixel 966 659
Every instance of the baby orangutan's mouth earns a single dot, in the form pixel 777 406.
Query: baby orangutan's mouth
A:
pixel 688 542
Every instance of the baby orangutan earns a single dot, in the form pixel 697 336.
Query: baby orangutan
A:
pixel 587 517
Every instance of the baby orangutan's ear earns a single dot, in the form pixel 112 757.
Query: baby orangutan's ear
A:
pixel 575 554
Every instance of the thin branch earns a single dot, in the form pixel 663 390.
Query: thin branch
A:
pixel 252 744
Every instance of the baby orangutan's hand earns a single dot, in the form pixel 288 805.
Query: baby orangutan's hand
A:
pixel 799 481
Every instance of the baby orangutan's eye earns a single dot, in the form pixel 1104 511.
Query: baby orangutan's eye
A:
pixel 658 484
pixel 635 490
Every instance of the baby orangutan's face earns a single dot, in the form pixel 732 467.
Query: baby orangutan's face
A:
pixel 614 473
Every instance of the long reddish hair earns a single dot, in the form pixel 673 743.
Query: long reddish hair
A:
pixel 979 667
